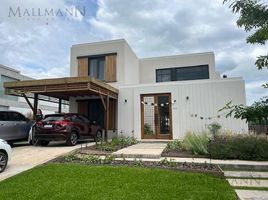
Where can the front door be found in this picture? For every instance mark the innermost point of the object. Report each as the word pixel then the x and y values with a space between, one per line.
pixel 156 116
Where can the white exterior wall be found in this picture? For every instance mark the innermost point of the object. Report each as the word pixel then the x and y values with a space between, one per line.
pixel 205 99
pixel 127 69
pixel 127 63
pixel 138 76
pixel 148 66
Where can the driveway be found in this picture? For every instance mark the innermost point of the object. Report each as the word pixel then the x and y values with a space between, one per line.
pixel 25 157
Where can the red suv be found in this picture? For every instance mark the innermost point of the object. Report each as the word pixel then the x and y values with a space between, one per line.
pixel 70 127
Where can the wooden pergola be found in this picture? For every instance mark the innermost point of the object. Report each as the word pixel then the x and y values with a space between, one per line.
pixel 63 89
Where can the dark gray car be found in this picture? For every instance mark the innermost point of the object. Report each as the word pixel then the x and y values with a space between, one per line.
pixel 14 126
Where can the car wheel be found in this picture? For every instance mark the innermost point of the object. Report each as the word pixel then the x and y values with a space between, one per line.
pixel 3 161
pixel 98 135
pixel 72 139
pixel 43 143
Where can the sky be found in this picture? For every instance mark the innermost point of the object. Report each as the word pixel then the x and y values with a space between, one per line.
pixel 39 46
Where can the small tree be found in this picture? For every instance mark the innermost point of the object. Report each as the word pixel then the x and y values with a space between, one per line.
pixel 253 18
pixel 257 113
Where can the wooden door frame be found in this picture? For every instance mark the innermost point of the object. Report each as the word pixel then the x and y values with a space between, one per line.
pixel 157 134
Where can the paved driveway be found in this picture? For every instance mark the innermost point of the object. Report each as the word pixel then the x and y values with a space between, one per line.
pixel 25 157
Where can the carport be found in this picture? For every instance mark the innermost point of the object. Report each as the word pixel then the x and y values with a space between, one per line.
pixel 64 88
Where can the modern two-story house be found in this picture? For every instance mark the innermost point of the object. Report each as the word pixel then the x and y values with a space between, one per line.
pixel 148 98
pixel 159 97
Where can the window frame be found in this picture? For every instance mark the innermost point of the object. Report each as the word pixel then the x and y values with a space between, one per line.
pixel 98 59
pixel 174 73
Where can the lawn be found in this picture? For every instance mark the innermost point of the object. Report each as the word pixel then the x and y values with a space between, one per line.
pixel 74 181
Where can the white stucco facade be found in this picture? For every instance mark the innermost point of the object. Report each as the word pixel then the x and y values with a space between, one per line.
pixel 192 99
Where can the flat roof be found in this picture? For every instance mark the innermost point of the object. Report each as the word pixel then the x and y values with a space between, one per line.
pixel 61 88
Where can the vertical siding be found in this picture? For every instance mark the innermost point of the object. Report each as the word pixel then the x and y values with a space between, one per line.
pixel 110 68
pixel 205 99
pixel 82 67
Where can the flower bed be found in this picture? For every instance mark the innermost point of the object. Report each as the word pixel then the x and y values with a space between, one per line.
pixel 105 148
pixel 163 164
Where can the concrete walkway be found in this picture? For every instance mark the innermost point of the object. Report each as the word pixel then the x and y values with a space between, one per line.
pixel 142 150
pixel 249 180
pixel 252 194
pixel 246 174
pixel 26 157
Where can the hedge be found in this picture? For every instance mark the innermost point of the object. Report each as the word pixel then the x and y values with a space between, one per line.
pixel 241 146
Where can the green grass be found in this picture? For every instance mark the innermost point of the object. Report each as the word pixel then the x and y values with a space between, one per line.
pixel 74 181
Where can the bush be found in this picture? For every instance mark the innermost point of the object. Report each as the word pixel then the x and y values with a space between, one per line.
pixel 117 143
pixel 214 128
pixel 197 143
pixel 241 146
pixel 174 145
pixel 123 141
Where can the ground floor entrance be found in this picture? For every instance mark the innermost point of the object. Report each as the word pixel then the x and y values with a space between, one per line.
pixel 156 116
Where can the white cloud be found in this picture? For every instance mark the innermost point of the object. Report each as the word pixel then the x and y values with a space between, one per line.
pixel 152 28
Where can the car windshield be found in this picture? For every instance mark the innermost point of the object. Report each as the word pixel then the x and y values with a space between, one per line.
pixel 51 118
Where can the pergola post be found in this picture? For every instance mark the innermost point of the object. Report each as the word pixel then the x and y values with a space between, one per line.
pixel 35 105
pixel 27 100
pixel 107 117
pixel 60 103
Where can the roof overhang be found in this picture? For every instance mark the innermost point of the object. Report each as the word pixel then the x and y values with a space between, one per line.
pixel 61 88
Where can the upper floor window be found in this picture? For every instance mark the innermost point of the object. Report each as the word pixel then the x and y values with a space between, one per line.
pixel 96 67
pixel 182 73
pixel 102 67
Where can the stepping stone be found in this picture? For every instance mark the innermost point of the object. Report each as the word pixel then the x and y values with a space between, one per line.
pixel 252 194
pixel 246 174
pixel 248 182
pixel 142 150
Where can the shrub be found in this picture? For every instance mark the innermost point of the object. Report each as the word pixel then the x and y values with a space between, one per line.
pixel 241 146
pixel 214 128
pixel 123 141
pixel 117 143
pixel 197 143
pixel 147 129
pixel 174 145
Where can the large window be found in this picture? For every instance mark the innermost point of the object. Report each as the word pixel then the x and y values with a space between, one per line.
pixel 182 73
pixel 96 67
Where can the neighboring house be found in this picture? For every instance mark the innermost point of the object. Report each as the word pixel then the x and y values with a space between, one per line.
pixel 19 104
pixel 159 97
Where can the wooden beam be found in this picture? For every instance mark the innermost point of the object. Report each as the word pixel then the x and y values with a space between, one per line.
pixel 27 100
pixel 59 108
pixel 103 103
pixel 35 105
pixel 107 117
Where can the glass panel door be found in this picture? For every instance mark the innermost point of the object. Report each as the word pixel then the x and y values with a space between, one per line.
pixel 164 114
pixel 156 116
pixel 149 117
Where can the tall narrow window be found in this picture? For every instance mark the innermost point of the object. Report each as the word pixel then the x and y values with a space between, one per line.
pixel 96 67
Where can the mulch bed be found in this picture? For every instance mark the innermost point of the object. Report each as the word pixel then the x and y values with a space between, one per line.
pixel 181 154
pixel 94 150
pixel 169 165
